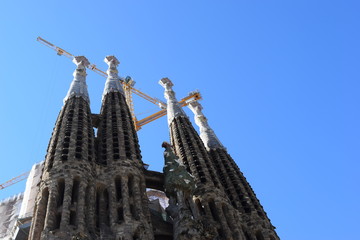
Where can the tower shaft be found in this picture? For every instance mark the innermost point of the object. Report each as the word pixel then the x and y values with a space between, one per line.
pixel 121 192
pixel 94 187
pixel 60 209
pixel 233 182
pixel 213 208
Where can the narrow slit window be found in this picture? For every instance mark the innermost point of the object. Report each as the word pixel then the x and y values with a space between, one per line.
pixel 61 191
pixel 75 191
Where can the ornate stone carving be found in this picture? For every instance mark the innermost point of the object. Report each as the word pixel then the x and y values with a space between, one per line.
pixel 207 135
pixel 78 86
pixel 176 176
pixel 173 107
pixel 112 83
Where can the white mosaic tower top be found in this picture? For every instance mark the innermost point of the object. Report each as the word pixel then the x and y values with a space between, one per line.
pixel 207 135
pixel 112 83
pixel 78 87
pixel 173 107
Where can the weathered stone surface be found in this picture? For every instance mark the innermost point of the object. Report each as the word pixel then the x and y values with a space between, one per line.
pixel 215 209
pixel 94 187
pixel 179 187
pixel 233 182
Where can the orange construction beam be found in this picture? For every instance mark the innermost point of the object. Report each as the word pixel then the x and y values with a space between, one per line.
pixel 14 180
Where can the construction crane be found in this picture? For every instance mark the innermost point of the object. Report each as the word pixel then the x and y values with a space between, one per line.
pixel 128 86
pixel 14 180
pixel 128 83
pixel 184 102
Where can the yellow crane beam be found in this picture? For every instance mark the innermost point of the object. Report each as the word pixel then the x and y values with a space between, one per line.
pixel 62 52
pixel 128 88
pixel 184 102
pixel 128 84
pixel 14 180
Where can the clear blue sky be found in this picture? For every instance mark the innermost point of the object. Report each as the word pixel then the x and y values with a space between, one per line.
pixel 280 81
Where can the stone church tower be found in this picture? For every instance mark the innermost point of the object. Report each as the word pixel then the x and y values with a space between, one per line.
pixel 239 192
pixel 94 187
pixel 224 200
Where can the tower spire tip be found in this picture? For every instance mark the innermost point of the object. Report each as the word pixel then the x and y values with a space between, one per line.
pixel 78 87
pixel 206 133
pixel 111 59
pixel 173 106
pixel 81 60
pixel 112 83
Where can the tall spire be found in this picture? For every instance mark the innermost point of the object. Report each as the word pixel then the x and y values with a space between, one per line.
pixel 113 81
pixel 78 87
pixel 173 107
pixel 121 206
pixel 206 133
pixel 233 182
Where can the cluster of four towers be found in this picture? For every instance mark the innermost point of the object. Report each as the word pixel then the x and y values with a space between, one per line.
pixel 94 187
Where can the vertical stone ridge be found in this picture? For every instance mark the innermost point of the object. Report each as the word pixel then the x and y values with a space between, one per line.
pixel 60 204
pixel 233 182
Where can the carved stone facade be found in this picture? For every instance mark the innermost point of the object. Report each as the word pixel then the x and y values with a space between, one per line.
pixel 224 200
pixel 94 186
pixel 255 223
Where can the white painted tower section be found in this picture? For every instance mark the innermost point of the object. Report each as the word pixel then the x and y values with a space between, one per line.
pixel 112 83
pixel 173 107
pixel 207 135
pixel 31 190
pixel 78 86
